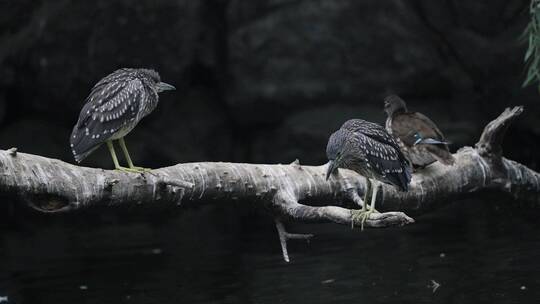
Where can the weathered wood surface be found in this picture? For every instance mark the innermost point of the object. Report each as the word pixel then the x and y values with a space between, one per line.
pixel 292 191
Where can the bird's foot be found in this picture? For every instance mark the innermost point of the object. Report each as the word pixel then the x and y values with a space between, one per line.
pixel 133 169
pixel 361 215
pixel 140 169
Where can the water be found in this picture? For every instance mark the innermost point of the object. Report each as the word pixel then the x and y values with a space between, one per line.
pixel 478 253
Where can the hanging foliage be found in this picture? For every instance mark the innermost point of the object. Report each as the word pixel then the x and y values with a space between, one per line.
pixel 532 35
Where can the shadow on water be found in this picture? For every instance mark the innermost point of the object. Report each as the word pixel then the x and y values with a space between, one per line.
pixel 478 253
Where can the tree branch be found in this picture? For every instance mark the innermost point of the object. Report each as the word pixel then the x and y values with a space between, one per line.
pixel 490 143
pixel 284 236
pixel 292 192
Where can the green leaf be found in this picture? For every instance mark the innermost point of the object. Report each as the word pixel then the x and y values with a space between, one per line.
pixel 530 50
pixel 531 75
pixel 531 36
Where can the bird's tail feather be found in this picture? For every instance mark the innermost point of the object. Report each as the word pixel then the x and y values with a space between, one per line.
pixel 431 141
pixel 402 179
pixel 82 145
pixel 406 178
pixel 79 157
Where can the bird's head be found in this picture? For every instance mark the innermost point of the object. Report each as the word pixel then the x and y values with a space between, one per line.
pixel 394 104
pixel 154 79
pixel 337 150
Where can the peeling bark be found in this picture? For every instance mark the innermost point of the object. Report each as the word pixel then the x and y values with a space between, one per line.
pixel 293 192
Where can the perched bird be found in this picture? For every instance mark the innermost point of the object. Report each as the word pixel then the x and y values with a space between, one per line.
pixel 418 137
pixel 367 149
pixel 114 107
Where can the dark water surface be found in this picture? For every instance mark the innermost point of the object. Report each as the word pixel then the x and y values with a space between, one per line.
pixel 478 253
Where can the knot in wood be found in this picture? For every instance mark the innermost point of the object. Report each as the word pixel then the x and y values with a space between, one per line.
pixel 12 151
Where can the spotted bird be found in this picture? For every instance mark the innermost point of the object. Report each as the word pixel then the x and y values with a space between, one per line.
pixel 114 107
pixel 367 149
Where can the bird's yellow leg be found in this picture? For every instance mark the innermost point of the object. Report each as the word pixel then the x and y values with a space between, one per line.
pixel 366 194
pixel 366 215
pixel 354 213
pixel 357 214
pixel 113 155
pixel 131 168
pixel 363 214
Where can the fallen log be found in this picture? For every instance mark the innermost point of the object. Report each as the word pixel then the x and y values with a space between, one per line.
pixel 292 192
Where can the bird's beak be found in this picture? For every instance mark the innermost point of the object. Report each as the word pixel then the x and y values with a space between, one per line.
pixel 162 86
pixel 331 168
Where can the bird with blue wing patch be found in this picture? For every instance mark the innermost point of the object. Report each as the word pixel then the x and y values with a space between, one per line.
pixel 419 138
pixel 114 107
pixel 367 149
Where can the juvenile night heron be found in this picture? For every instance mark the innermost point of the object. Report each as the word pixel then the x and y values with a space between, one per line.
pixel 114 107
pixel 418 137
pixel 367 149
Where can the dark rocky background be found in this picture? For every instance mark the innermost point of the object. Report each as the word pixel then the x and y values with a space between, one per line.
pixel 265 80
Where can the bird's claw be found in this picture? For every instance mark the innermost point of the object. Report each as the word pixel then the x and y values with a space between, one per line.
pixel 141 169
pixel 362 216
pixel 133 169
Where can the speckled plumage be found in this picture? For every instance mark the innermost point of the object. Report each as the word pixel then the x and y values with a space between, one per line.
pixel 419 138
pixel 114 107
pixel 368 149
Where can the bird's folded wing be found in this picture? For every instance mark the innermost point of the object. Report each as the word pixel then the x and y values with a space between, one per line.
pixel 370 129
pixel 388 161
pixel 109 107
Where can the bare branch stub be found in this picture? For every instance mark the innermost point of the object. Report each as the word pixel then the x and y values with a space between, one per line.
pixel 284 236
pixel 334 214
pixel 490 143
pixel 287 206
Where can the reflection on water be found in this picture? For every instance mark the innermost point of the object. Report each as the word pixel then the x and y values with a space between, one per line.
pixel 478 254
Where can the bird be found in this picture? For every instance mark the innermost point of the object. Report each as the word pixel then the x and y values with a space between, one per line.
pixel 113 108
pixel 418 137
pixel 366 148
